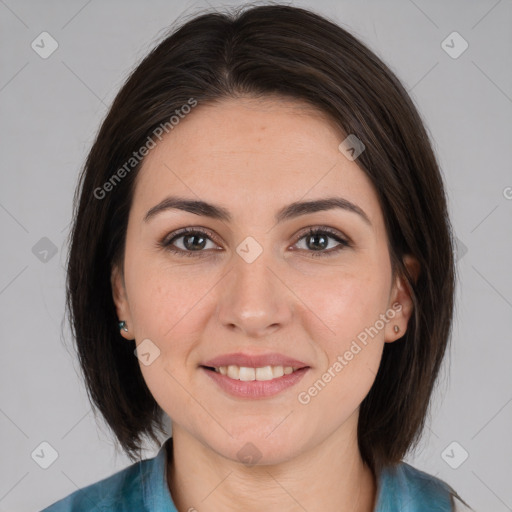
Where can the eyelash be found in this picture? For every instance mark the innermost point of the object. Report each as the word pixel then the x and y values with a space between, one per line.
pixel 167 243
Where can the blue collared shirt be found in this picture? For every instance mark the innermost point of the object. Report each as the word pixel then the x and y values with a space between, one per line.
pixel 142 487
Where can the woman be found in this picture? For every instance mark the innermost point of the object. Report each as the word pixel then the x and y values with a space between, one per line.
pixel 263 223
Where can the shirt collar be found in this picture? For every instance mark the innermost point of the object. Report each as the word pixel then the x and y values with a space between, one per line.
pixel 155 490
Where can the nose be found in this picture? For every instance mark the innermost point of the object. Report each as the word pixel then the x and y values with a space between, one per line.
pixel 255 300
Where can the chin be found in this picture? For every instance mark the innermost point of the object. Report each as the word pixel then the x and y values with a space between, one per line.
pixel 259 448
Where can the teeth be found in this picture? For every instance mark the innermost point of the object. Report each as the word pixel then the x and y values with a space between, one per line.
pixel 246 374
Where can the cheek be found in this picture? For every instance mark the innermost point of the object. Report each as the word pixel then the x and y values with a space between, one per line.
pixel 350 304
pixel 167 312
pixel 164 295
pixel 346 301
pixel 161 304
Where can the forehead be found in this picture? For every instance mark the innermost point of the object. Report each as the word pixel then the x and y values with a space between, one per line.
pixel 252 155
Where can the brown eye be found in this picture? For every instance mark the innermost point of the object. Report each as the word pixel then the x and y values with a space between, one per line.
pixel 194 241
pixel 317 242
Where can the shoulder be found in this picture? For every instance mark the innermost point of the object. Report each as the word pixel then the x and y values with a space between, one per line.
pixel 415 491
pixel 111 493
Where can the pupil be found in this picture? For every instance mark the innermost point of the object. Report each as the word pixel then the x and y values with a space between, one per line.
pixel 194 246
pixel 320 237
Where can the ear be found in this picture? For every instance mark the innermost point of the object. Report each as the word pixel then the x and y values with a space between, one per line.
pixel 400 301
pixel 121 301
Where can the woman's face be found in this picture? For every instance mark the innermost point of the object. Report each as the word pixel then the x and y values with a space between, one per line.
pixel 258 284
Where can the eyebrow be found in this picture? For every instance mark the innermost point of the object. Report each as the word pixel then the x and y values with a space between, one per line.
pixel 288 212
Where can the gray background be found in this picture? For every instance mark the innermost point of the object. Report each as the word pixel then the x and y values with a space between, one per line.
pixel 50 111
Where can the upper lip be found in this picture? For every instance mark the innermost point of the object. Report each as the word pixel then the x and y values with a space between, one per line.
pixel 253 361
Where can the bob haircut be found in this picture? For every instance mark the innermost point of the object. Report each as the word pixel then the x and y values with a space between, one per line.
pixel 292 53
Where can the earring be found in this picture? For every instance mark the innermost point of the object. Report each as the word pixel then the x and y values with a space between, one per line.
pixel 122 325
pixel 396 328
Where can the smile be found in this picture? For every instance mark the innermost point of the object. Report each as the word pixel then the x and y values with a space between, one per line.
pixel 254 383
pixel 247 374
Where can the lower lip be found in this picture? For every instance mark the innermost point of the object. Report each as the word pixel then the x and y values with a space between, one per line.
pixel 256 388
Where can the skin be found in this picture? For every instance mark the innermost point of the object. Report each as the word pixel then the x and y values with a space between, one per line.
pixel 253 156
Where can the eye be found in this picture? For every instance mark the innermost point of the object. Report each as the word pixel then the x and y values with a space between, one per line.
pixel 319 238
pixel 194 240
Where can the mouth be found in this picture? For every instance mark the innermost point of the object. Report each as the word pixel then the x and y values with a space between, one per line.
pixel 247 374
pixel 253 376
pixel 262 382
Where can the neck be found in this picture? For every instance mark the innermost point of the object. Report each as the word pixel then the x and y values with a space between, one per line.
pixel 330 477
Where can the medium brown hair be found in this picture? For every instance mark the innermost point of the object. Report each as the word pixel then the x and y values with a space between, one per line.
pixel 296 54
